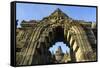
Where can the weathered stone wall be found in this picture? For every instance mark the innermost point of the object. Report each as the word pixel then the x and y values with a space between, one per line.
pixel 32 44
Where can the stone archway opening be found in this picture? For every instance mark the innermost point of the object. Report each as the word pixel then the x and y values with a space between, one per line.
pixel 52 36
pixel 59 43
pixel 60 52
pixel 48 40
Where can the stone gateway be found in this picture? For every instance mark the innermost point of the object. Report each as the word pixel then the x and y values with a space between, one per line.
pixel 34 39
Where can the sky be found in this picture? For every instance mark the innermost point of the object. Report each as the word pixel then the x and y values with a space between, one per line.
pixel 64 47
pixel 26 11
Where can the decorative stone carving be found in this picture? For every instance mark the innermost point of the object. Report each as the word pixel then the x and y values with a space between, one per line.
pixel 43 34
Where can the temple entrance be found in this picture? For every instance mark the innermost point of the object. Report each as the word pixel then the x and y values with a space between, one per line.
pixel 56 39
pixel 59 48
pixel 36 40
pixel 52 37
